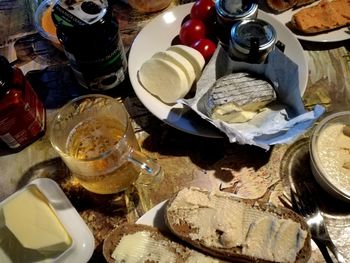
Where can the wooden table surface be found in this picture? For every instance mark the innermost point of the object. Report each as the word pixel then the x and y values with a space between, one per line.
pixel 187 160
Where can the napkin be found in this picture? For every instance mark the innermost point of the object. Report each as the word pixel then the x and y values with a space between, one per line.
pixel 283 122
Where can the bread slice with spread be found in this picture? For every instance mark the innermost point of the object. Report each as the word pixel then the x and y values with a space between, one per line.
pixel 133 243
pixel 235 229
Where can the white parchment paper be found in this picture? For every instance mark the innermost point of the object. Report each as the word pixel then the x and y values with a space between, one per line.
pixel 282 122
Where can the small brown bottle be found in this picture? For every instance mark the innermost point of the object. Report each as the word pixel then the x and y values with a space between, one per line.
pixel 22 114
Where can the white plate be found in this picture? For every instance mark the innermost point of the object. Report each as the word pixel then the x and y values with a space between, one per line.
pixel 158 35
pixel 83 244
pixel 332 36
pixel 154 217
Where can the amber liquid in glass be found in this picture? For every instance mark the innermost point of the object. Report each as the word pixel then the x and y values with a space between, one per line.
pixel 94 141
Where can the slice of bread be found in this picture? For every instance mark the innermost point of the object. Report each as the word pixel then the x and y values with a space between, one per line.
pixel 236 229
pixel 283 5
pixel 325 16
pixel 142 243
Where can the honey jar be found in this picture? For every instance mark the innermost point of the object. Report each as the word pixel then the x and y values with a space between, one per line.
pixel 22 114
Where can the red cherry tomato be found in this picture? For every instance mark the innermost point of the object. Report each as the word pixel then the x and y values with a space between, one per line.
pixel 203 10
pixel 191 31
pixel 206 47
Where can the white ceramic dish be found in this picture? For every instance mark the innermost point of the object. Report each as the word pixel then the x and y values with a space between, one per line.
pixel 158 35
pixel 83 244
pixel 332 36
pixel 154 217
pixel 327 155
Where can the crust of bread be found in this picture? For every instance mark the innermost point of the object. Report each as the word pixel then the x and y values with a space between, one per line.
pixel 183 231
pixel 325 16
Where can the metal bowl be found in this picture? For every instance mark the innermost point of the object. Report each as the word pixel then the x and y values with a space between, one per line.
pixel 330 154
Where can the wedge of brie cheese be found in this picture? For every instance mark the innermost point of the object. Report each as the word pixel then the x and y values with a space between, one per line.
pixel 238 97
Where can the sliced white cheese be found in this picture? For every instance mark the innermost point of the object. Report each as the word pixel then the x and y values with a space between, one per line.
pixel 192 55
pixel 30 218
pixel 179 61
pixel 164 80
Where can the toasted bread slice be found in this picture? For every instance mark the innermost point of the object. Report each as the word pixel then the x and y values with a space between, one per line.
pixel 236 229
pixel 142 243
pixel 325 16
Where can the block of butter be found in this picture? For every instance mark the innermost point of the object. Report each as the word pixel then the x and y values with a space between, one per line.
pixel 39 224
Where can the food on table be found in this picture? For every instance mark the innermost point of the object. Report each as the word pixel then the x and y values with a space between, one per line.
pixel 181 62
pixel 324 16
pixel 170 75
pixel 283 5
pixel 197 28
pixel 206 47
pixel 194 57
pixel 333 150
pixel 238 97
pixel 204 10
pixel 30 229
pixel 191 31
pixel 142 243
pixel 237 229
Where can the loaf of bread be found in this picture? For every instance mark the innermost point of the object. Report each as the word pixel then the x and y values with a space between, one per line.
pixel 326 15
pixel 236 229
pixel 141 243
pixel 283 5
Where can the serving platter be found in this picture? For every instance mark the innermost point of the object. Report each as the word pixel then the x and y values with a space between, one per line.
pixel 331 36
pixel 158 35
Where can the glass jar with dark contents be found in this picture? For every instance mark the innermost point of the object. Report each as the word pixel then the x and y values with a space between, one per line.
pixel 91 40
pixel 252 40
pixel 229 12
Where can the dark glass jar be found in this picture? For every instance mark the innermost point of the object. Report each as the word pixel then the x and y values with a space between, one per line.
pixel 22 114
pixel 91 40
pixel 252 40
pixel 229 12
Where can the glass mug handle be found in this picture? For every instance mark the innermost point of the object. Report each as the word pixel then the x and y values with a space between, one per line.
pixel 153 171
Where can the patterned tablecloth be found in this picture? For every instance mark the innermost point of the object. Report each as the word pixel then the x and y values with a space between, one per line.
pixel 186 159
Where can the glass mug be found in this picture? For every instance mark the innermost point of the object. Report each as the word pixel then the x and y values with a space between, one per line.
pixel 94 137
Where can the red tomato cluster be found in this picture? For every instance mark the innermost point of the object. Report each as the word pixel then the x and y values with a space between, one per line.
pixel 196 28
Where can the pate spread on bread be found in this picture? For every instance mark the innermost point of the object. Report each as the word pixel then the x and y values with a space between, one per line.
pixel 236 229
pixel 326 15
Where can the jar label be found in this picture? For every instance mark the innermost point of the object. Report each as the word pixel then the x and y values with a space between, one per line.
pixel 79 13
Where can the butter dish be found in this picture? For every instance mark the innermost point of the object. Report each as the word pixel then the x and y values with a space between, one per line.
pixel 39 224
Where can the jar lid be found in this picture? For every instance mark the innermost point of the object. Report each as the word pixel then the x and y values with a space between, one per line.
pixel 236 9
pixel 71 14
pixel 253 35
